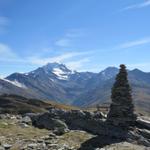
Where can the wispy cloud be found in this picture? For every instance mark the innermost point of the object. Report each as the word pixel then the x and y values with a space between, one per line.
pixel 6 52
pixel 143 66
pixel 4 21
pixel 74 60
pixel 78 64
pixel 137 6
pixel 126 45
pixel 9 56
pixel 60 58
pixel 68 38
pixel 134 43
pixel 64 42
pixel 79 60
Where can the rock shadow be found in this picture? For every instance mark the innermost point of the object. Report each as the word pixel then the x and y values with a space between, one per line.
pixel 99 141
pixel 109 135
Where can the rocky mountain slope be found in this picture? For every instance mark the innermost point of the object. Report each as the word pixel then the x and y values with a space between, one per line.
pixel 56 82
pixel 20 105
pixel 140 89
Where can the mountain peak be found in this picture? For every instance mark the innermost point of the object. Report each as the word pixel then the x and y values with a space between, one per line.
pixel 111 68
pixel 109 72
pixel 136 70
pixel 59 70
pixel 54 65
pixel 51 66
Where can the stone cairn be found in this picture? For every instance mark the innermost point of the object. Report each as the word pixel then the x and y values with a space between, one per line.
pixel 121 109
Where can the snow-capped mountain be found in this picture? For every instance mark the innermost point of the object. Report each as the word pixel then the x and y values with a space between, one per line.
pixel 108 73
pixel 15 83
pixel 59 70
pixel 56 82
pixel 53 70
pixel 53 81
pixel 11 87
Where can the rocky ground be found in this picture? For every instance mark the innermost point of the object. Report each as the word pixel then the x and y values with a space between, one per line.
pixel 19 133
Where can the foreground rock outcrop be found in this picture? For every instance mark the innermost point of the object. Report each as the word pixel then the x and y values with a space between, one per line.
pixel 90 122
pixel 15 134
pixel 65 130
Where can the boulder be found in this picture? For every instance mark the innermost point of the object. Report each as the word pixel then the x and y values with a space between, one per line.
pixel 60 127
pixel 32 145
pixel 7 146
pixel 4 116
pixel 45 121
pixel 143 123
pixel 26 120
pixel 60 120
pixel 23 125
pixel 145 133
pixel 99 115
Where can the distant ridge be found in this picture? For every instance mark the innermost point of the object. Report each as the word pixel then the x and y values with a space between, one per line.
pixel 56 82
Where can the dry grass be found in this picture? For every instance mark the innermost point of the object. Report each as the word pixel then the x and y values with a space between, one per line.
pixel 75 138
pixel 61 106
pixel 10 129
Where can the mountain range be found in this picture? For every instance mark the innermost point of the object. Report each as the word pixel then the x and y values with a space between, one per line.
pixel 56 82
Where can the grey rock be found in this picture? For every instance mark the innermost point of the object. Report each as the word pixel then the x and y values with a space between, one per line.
pixel 23 125
pixel 32 145
pixel 99 115
pixel 52 135
pixel 143 123
pixel 45 121
pixel 2 148
pixel 47 142
pixel 7 146
pixel 53 146
pixel 40 141
pixel 145 133
pixel 90 122
pixel 26 120
pixel 3 116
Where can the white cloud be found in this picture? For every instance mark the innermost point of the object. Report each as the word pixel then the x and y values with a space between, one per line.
pixel 60 58
pixel 134 43
pixel 2 76
pixel 4 21
pixel 68 37
pixel 64 42
pixel 126 45
pixel 137 6
pixel 143 66
pixel 6 52
pixel 77 65
pixel 8 56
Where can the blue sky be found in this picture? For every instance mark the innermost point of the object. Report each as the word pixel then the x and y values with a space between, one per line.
pixel 86 35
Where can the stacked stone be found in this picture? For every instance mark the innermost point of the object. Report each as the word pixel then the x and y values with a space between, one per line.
pixel 121 110
pixel 121 115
